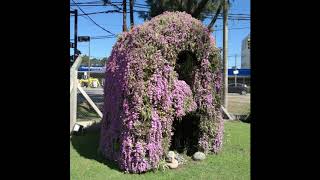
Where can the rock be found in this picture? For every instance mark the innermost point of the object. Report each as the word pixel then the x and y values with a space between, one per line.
pixel 174 164
pixel 199 156
pixel 180 159
pixel 170 156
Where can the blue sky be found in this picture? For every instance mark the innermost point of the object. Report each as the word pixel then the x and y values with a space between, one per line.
pixel 113 22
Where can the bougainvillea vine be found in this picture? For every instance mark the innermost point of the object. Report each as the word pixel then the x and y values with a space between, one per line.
pixel 144 93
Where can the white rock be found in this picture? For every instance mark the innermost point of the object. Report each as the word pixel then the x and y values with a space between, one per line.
pixel 174 164
pixel 199 156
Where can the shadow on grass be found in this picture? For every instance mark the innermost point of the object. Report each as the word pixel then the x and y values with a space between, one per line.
pixel 87 146
pixel 245 118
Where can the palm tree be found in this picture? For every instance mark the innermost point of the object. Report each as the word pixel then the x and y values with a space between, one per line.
pixel 196 8
pixel 216 15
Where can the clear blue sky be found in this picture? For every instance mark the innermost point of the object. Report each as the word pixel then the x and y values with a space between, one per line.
pixel 113 22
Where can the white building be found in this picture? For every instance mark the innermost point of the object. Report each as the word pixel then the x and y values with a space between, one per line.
pixel 245 53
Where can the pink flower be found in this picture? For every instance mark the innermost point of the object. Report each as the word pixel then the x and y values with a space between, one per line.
pixel 142 95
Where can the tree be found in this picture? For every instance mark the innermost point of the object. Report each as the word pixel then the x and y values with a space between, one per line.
pixel 215 16
pixel 85 60
pixel 93 61
pixel 199 9
pixel 104 61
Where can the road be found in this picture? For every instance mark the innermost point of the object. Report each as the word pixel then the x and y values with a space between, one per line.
pixel 96 94
pixel 238 104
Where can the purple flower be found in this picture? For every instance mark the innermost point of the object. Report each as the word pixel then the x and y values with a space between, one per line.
pixel 143 96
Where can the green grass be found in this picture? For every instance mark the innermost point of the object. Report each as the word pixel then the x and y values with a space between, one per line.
pixel 86 113
pixel 232 163
pixel 239 108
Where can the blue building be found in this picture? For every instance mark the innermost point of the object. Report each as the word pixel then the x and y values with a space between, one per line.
pixel 242 77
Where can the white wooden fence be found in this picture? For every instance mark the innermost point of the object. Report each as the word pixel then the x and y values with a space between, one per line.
pixel 74 87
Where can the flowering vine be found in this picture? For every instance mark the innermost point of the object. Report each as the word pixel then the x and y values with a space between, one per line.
pixel 144 95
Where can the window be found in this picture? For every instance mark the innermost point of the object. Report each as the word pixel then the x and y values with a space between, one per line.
pixel 248 43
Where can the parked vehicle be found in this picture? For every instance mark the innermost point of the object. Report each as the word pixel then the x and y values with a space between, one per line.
pixel 238 88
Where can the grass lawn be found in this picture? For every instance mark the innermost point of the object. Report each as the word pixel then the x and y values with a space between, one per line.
pixel 232 163
pixel 239 104
pixel 86 113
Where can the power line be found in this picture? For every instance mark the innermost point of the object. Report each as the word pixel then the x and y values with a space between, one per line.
pixel 231 17
pixel 99 37
pixel 106 37
pixel 108 3
pixel 111 4
pixel 101 12
pixel 99 3
pixel 232 28
pixel 87 4
pixel 93 20
pixel 90 2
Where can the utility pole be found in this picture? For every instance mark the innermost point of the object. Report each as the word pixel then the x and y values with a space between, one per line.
pixel 75 34
pixel 225 53
pixel 235 57
pixel 131 14
pixel 89 64
pixel 124 16
pixel 235 77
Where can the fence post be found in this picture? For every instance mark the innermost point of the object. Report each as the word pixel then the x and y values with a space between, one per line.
pixel 73 99
pixel 74 91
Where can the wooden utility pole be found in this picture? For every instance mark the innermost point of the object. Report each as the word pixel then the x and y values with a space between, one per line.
pixel 131 14
pixel 124 14
pixel 225 53
pixel 235 68
pixel 75 35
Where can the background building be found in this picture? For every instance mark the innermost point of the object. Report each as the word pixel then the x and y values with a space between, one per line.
pixel 245 53
pixel 243 77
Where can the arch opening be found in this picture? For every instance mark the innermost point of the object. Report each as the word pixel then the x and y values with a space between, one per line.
pixel 186 129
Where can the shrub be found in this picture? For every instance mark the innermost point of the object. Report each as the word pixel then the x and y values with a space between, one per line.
pixel 144 95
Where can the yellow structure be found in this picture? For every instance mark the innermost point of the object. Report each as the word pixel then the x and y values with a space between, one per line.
pixel 90 82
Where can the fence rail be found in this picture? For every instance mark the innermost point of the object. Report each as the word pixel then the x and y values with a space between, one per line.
pixel 74 91
pixel 86 95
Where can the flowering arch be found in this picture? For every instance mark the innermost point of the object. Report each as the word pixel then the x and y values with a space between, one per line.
pixel 145 94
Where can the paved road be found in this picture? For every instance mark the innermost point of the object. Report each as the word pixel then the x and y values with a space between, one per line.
pixel 96 94
pixel 93 91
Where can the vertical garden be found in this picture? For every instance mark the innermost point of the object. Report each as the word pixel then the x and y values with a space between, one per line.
pixel 162 91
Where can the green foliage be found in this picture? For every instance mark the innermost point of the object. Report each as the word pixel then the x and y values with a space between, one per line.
pixel 162 166
pixel 232 163
pixel 189 6
pixel 93 61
